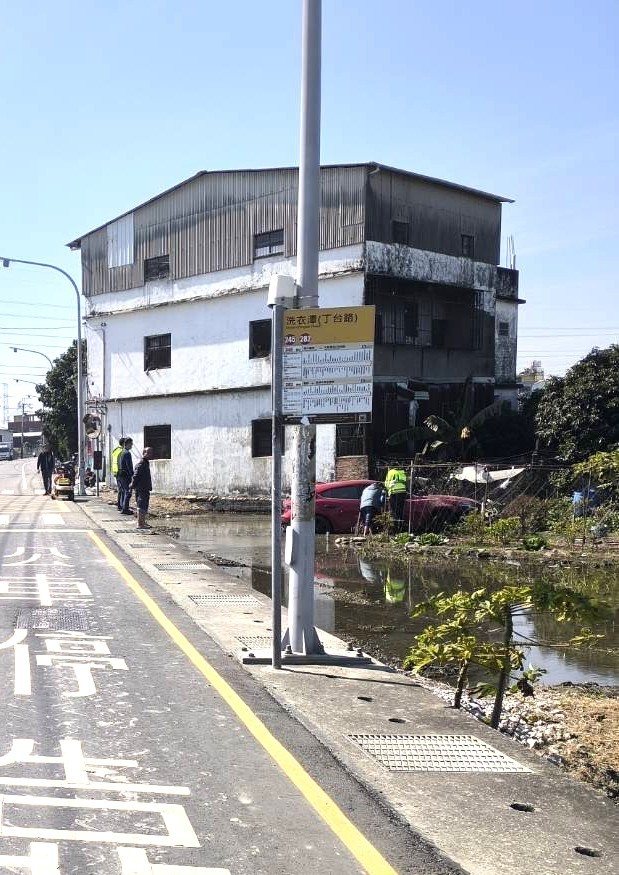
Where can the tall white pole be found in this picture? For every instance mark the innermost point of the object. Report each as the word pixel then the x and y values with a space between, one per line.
pixel 301 633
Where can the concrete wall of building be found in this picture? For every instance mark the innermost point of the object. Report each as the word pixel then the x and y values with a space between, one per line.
pixel 506 345
pixel 213 390
pixel 211 442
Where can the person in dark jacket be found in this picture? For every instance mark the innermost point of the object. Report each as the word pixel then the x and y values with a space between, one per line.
pixel 142 484
pixel 45 464
pixel 125 474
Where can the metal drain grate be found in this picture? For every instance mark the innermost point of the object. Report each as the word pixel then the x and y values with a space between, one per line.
pixel 218 598
pixel 257 641
pixel 181 566
pixel 143 546
pixel 436 753
pixel 124 531
pixel 53 619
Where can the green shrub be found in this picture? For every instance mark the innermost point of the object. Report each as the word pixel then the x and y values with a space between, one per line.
pixel 472 527
pixel 531 511
pixel 560 516
pixel 430 539
pixel 534 542
pixel 504 531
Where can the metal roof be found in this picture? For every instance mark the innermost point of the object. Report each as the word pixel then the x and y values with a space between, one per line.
pixel 371 165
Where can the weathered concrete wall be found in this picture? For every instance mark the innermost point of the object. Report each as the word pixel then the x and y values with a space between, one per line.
pixel 506 346
pixel 406 262
pixel 211 442
pixel 213 390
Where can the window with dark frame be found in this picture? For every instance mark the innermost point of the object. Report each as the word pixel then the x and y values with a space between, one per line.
pixel 261 442
pixel 159 438
pixel 503 329
pixel 439 333
pixel 157 352
pixel 399 231
pixel 157 268
pixel 269 243
pixel 259 338
pixel 468 245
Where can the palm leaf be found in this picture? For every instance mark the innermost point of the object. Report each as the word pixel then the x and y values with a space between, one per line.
pixel 417 433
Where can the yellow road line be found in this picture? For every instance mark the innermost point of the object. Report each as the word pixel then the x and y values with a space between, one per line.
pixel 371 860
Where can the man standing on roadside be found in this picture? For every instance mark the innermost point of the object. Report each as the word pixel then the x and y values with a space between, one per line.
pixel 116 454
pixel 395 484
pixel 125 475
pixel 142 484
pixel 45 464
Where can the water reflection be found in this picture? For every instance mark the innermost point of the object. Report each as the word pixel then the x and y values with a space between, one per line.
pixel 370 602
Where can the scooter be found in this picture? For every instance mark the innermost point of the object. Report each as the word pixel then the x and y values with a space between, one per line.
pixel 63 481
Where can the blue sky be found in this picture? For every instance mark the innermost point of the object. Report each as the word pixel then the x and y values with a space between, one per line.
pixel 104 105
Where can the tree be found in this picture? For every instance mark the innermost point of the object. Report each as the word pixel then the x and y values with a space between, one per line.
pixel 455 439
pixel 471 619
pixel 58 396
pixel 578 414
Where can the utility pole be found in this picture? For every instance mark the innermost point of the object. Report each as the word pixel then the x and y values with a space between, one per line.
pixel 301 637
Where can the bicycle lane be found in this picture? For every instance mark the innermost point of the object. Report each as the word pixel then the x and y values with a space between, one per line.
pixel 123 750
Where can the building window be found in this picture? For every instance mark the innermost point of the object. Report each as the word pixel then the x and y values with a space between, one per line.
pixel 399 232
pixel 261 443
pixel 270 243
pixel 157 268
pixel 159 438
pixel 468 245
pixel 259 338
pixel 503 329
pixel 157 352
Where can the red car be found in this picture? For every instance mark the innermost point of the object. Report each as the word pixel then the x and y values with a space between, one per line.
pixel 337 508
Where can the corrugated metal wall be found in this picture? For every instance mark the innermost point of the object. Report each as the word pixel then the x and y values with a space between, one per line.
pixel 437 215
pixel 208 223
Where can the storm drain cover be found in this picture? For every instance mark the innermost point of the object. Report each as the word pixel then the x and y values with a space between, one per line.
pixel 257 641
pixel 219 598
pixel 182 566
pixel 53 619
pixel 436 753
pixel 124 531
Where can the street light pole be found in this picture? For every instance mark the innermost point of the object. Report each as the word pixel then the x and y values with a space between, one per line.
pixel 80 379
pixel 302 637
pixel 35 351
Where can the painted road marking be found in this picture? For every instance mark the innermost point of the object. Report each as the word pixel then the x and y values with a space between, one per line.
pixel 7 492
pixel 76 767
pixel 42 860
pixel 134 861
pixel 4 519
pixel 359 846
pixel 52 519
pixel 178 830
pixel 43 590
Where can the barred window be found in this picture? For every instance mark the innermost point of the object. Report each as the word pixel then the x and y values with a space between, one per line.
pixel 157 268
pixel 399 231
pixel 159 438
pixel 157 352
pixel 503 329
pixel 468 245
pixel 259 338
pixel 270 243
pixel 261 442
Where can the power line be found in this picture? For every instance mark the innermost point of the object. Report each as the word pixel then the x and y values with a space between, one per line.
pixel 28 304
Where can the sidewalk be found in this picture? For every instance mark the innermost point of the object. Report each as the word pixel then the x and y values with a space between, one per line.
pixel 486 802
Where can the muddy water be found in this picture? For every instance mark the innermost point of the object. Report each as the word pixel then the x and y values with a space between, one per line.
pixel 370 602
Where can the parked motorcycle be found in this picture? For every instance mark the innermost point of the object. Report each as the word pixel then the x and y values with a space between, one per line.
pixel 63 481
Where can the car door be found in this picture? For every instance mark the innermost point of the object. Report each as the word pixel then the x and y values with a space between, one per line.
pixel 340 505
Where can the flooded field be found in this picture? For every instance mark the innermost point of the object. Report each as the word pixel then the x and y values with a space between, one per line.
pixel 370 602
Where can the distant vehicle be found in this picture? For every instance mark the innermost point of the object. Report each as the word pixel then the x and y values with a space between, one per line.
pixel 337 508
pixel 6 446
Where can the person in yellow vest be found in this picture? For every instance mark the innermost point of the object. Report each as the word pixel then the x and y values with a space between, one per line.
pixel 395 485
pixel 115 459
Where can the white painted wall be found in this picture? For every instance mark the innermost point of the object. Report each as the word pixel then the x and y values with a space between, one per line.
pixel 211 425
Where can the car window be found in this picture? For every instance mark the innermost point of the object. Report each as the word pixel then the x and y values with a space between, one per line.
pixel 341 492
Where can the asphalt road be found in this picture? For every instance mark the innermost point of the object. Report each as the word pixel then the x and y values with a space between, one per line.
pixel 118 756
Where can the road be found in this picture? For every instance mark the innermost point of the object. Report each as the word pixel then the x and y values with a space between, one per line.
pixel 132 745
